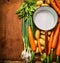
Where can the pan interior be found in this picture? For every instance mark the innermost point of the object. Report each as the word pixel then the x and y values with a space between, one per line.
pixel 44 20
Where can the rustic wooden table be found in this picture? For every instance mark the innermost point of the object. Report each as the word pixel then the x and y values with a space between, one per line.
pixel 11 44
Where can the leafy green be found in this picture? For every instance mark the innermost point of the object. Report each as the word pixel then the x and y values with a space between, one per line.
pixel 31 1
pixel 25 12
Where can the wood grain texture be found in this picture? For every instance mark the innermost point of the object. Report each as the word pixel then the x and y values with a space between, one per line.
pixel 11 43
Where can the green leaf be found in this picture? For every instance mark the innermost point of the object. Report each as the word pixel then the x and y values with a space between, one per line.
pixel 31 1
pixel 48 61
pixel 57 59
pixel 32 60
pixel 51 55
pixel 27 10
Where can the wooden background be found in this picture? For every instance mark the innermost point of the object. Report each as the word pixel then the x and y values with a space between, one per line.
pixel 11 44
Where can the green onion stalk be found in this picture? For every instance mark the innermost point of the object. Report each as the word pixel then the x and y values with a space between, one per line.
pixel 57 59
pixel 49 58
pixel 26 12
pixel 51 55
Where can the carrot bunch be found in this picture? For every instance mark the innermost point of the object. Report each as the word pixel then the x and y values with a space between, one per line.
pixel 58 49
pixel 53 42
pixel 53 39
pixel 50 43
pixel 55 4
pixel 39 46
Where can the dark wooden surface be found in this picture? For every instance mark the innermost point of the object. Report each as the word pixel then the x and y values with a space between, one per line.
pixel 11 44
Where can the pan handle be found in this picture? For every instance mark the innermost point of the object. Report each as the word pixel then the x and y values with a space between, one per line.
pixel 46 42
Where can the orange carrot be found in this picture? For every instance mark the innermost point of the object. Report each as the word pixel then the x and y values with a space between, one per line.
pixel 58 3
pixel 56 34
pixel 53 4
pixel 58 47
pixel 31 39
pixel 39 46
pixel 50 42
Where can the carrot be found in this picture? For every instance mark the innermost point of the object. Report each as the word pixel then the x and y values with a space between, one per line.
pixel 50 42
pixel 31 39
pixel 39 46
pixel 57 3
pixel 53 4
pixel 58 50
pixel 56 34
pixel 54 42
pixel 58 47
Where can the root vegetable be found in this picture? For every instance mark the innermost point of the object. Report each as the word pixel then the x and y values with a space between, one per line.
pixel 58 50
pixel 53 4
pixel 43 37
pixel 54 41
pixel 49 33
pixel 48 38
pixel 39 46
pixel 31 39
pixel 55 36
pixel 42 47
pixel 50 43
pixel 44 4
pixel 58 47
pixel 42 32
pixel 35 42
pixel 42 42
pixel 48 1
pixel 37 50
pixel 37 34
pixel 58 3
pixel 39 2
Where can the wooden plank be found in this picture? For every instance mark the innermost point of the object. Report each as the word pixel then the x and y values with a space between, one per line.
pixel 11 44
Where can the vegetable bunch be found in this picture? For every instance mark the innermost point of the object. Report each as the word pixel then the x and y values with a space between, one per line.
pixel 56 5
pixel 34 39
pixel 54 46
pixel 25 12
